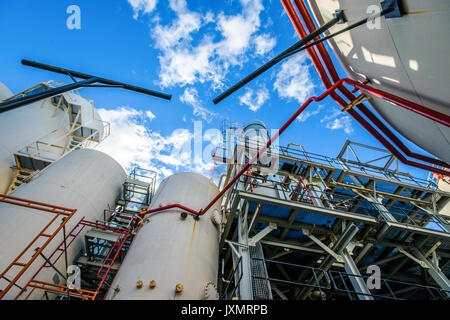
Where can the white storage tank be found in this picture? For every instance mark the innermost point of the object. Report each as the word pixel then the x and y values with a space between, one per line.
pixel 386 52
pixel 171 251
pixel 40 130
pixel 86 180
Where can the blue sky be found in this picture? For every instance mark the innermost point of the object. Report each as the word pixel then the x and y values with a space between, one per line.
pixel 193 50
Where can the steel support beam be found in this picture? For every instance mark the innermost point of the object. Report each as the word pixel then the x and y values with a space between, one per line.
pixel 253 240
pixel 357 281
pixel 434 271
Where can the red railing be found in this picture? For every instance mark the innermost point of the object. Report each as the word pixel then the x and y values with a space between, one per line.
pixel 29 253
pixel 63 246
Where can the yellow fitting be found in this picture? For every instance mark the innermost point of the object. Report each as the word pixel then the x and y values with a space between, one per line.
pixel 152 284
pixel 148 219
pixel 139 284
pixel 117 288
pixel 355 102
pixel 179 288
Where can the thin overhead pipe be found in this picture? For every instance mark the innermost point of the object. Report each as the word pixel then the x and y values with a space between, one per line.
pixel 26 100
pixel 89 81
pixel 278 58
pixel 333 73
pixel 298 47
pixel 80 75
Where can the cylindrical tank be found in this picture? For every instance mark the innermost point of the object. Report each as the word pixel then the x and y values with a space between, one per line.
pixel 4 92
pixel 40 120
pixel 385 52
pixel 171 250
pixel 255 136
pixel 86 180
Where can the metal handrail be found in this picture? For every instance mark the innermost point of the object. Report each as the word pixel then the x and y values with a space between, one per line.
pixel 386 282
pixel 367 207
pixel 225 295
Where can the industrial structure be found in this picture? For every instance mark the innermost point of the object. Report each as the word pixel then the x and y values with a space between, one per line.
pixel 282 223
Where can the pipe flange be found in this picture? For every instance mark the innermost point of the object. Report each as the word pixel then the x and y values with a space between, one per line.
pixel 210 292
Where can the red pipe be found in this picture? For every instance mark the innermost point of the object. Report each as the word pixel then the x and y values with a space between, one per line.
pixel 169 207
pixel 329 91
pixel 423 111
pixel 256 156
pixel 329 64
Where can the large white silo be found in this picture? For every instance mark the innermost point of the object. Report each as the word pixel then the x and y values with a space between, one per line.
pixel 41 132
pixel 86 180
pixel 170 250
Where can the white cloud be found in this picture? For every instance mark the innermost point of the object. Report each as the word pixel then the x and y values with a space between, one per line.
pixel 132 144
pixel 146 6
pixel 254 101
pixel 185 60
pixel 264 43
pixel 341 123
pixel 308 113
pixel 335 119
pixel 150 115
pixel 190 96
pixel 294 81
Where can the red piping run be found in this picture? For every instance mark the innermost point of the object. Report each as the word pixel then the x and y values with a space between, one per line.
pixel 333 73
pixel 329 91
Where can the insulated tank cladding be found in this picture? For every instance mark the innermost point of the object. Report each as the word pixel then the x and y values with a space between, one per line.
pixel 169 252
pixel 5 93
pixel 86 180
pixel 41 121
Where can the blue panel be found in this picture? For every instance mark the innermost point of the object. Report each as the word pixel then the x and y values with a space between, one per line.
pixel 314 219
pixel 270 210
pixel 385 187
pixel 295 234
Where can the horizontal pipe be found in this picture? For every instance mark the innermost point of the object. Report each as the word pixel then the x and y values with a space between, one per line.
pixel 101 80
pixel 23 101
pixel 278 58
pixel 409 105
pixel 171 206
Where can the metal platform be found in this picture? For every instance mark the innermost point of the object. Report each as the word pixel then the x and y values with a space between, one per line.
pixel 341 216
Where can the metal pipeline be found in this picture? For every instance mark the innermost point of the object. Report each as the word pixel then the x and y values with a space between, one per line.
pixel 330 91
pixel 431 114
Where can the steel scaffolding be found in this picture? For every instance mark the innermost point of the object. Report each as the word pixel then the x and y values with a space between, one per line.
pixel 322 222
